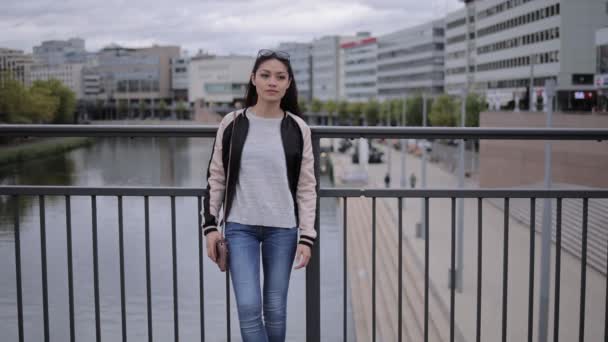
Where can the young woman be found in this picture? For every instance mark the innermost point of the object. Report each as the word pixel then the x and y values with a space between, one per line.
pixel 271 196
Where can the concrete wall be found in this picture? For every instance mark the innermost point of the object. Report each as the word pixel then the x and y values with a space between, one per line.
pixel 516 163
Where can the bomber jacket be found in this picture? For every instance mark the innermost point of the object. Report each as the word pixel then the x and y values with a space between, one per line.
pixel 297 144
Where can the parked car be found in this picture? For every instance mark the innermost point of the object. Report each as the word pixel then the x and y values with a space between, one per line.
pixel 345 144
pixel 375 155
pixel 397 144
pixel 425 144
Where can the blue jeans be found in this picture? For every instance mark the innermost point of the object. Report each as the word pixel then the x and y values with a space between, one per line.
pixel 278 248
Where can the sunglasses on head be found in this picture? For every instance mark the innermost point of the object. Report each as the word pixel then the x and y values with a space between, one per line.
pixel 273 53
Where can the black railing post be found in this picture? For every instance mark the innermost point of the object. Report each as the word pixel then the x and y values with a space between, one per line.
pixel 313 278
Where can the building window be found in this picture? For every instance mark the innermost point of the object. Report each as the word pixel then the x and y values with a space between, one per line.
pixel 584 79
pixel 602 59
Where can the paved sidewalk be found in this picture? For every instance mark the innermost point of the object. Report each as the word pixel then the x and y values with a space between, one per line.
pixel 492 260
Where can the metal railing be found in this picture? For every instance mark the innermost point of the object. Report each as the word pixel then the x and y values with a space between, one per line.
pixel 313 295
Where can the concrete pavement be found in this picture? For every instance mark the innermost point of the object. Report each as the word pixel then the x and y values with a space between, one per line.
pixel 465 302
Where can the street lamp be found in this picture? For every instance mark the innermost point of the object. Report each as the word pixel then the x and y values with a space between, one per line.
pixel 387 178
pixel 403 181
pixel 421 230
pixel 458 272
pixel 545 254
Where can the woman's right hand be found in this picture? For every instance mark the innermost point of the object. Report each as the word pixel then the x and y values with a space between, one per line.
pixel 212 238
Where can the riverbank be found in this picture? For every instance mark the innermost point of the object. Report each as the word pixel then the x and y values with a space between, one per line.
pixel 40 147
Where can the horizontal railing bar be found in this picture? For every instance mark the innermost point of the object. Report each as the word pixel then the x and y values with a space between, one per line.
pixel 465 193
pixel 52 190
pixel 460 133
pixel 318 131
pixel 109 130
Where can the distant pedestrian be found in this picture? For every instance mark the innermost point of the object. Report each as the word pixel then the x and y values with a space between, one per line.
pixel 412 180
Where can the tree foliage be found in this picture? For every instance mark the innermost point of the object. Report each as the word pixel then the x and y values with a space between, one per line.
pixel 355 109
pixel 342 110
pixel 475 104
pixel 43 102
pixel 316 106
pixel 372 112
pixel 303 106
pixel 444 112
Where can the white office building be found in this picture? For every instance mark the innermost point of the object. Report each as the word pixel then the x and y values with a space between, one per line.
pixel 410 61
pixel 519 40
pixel 327 73
pixel 69 75
pixel 61 51
pixel 300 56
pixel 359 69
pixel 460 50
pixel 219 80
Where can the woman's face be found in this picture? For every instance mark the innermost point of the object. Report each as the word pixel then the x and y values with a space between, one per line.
pixel 271 80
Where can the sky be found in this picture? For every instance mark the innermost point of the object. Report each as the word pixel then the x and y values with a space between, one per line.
pixel 215 26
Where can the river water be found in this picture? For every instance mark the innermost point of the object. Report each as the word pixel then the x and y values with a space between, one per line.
pixel 179 162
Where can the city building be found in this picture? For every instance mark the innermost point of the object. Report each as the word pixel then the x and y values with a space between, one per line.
pixel 517 41
pixel 68 74
pixel 359 68
pixel 52 52
pixel 601 78
pixel 327 79
pixel 179 78
pixel 460 50
pixel 16 64
pixel 300 56
pixel 219 81
pixel 410 61
pixel 138 79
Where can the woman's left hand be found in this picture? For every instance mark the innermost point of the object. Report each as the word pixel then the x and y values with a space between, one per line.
pixel 302 256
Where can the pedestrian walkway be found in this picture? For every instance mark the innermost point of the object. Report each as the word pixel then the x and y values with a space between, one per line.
pixel 360 271
pixel 572 223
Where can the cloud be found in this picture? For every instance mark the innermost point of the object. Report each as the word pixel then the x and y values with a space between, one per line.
pixel 227 26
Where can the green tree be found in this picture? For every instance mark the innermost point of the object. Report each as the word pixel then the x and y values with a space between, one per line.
pixel 443 112
pixel 162 108
pixel 343 110
pixel 42 104
pixel 372 112
pixel 303 106
pixel 475 104
pixel 316 106
pixel 396 111
pixel 355 109
pixel 330 107
pixel 414 111
pixel 385 110
pixel 14 101
pixel 67 102
pixel 181 109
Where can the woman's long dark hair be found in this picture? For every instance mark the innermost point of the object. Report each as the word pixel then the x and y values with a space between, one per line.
pixel 289 102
